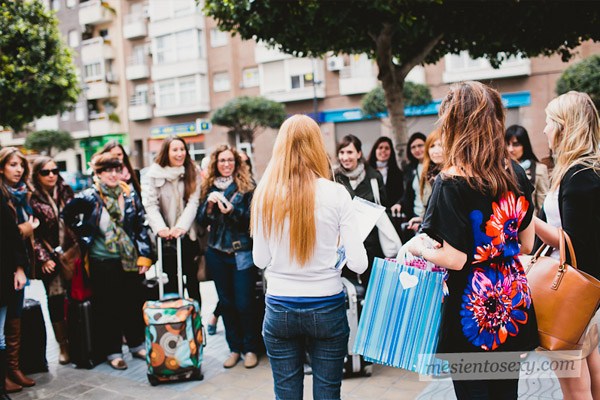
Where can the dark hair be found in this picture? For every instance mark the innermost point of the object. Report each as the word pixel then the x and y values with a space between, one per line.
pixel 392 162
pixel 162 159
pixel 472 123
pixel 104 161
pixel 413 137
pixel 126 163
pixel 5 155
pixel 347 141
pixel 37 165
pixel 520 133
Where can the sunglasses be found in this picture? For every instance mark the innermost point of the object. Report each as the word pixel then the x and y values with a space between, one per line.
pixel 46 172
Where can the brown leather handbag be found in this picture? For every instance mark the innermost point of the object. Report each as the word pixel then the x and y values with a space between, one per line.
pixel 565 298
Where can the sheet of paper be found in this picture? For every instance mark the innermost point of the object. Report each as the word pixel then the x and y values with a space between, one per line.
pixel 367 213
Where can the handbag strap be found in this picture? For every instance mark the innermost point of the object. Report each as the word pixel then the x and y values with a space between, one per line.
pixel 566 238
pixel 375 189
pixel 563 238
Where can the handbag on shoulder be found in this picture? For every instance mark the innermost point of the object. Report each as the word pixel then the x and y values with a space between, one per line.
pixel 565 298
pixel 66 259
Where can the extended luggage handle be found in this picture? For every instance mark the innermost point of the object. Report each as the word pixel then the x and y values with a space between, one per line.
pixel 159 268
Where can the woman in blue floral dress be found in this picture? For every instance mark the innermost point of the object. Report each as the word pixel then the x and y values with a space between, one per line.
pixel 480 213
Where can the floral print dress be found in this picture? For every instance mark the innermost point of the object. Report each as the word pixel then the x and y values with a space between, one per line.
pixel 489 307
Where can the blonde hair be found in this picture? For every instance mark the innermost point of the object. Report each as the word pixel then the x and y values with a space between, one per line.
pixel 287 188
pixel 575 120
pixel 472 126
pixel 241 174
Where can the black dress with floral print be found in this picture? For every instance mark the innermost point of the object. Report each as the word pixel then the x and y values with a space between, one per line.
pixel 489 307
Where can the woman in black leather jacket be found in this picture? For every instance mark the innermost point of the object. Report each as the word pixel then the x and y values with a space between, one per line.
pixel 225 207
pixel 115 242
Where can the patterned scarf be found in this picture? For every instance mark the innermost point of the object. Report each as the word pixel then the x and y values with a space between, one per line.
pixel 222 182
pixel 117 240
pixel 355 176
pixel 18 197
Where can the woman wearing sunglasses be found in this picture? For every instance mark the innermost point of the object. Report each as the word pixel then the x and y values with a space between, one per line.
pixel 109 221
pixel 47 201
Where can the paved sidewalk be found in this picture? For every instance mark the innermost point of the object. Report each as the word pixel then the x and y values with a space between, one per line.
pixel 104 383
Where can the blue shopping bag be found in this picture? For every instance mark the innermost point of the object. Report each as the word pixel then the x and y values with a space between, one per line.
pixel 400 321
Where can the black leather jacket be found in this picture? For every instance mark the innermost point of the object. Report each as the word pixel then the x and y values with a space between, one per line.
pixel 83 214
pixel 228 232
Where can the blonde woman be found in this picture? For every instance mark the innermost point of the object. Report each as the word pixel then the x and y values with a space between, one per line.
pixel 298 215
pixel 573 132
pixel 225 208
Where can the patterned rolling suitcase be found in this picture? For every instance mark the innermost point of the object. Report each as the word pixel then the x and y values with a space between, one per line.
pixel 175 338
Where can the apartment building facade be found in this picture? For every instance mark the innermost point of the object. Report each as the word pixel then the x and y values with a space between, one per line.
pixel 152 68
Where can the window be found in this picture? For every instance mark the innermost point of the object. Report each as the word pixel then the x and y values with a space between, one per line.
pixel 73 38
pixel 71 3
pixel 184 91
pixel 80 111
pixel 55 5
pixel 93 71
pixel 187 91
pixel 65 116
pixel 218 38
pixel 138 55
pixel 302 81
pixel 197 151
pixel 140 95
pixel 185 45
pixel 461 67
pixel 221 82
pixel 178 46
pixel 167 95
pixel 250 77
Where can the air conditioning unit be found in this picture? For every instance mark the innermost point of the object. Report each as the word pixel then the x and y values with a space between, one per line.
pixel 335 63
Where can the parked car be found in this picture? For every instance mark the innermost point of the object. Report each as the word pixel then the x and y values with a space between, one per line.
pixel 77 180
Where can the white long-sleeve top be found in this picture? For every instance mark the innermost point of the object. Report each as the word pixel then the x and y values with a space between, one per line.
pixel 318 277
pixel 162 196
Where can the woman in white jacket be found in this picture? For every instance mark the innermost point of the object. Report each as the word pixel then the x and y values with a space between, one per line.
pixel 171 195
pixel 298 217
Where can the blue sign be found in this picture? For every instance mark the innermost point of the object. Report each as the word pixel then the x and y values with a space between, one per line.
pixel 509 100
pixel 185 129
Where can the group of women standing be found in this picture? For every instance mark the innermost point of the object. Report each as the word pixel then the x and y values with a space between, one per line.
pixel 476 196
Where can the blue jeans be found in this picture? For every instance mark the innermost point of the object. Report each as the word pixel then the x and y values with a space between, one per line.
pixel 323 332
pixel 237 300
pixel 3 311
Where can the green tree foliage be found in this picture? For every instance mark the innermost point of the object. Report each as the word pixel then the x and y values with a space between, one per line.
pixel 244 115
pixel 37 75
pixel 582 77
pixel 400 34
pixel 415 94
pixel 47 140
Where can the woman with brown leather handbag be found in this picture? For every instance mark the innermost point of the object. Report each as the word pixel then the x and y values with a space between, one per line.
pixel 573 132
pixel 51 238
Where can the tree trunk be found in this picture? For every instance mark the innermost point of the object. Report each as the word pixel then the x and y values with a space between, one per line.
pixel 392 78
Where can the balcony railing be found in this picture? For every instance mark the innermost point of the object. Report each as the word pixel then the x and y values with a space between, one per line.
pixel 95 12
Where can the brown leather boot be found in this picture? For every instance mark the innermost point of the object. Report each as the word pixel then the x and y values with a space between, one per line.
pixel 12 331
pixel 60 332
pixel 11 387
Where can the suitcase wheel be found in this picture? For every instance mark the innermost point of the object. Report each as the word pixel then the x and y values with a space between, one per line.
pixel 153 380
pixel 197 375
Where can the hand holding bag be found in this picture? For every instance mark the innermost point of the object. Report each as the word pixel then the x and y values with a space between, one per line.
pixel 388 237
pixel 65 259
pixel 565 298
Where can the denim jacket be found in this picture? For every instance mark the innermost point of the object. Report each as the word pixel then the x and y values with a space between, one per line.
pixel 82 215
pixel 229 233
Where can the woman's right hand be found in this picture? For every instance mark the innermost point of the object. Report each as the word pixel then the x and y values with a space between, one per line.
pixel 164 233
pixel 396 209
pixel 48 267
pixel 20 279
